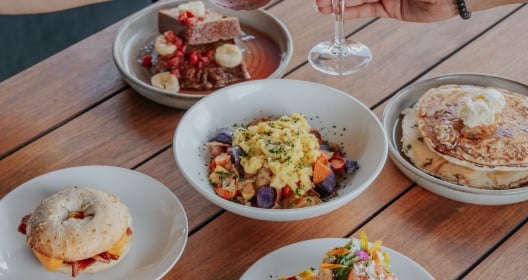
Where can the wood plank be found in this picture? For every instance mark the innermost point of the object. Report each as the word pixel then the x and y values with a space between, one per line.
pixel 245 240
pixel 442 235
pixel 512 255
pixel 472 229
pixel 501 51
pixel 124 131
pixel 402 45
pixel 164 168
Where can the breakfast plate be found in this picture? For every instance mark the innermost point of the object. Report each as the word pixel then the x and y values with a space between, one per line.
pixel 159 223
pixel 405 98
pixel 297 257
pixel 266 46
pixel 362 139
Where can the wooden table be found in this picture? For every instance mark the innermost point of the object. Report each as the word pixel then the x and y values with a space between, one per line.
pixel 74 109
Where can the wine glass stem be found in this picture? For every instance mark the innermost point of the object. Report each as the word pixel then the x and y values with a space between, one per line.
pixel 339 12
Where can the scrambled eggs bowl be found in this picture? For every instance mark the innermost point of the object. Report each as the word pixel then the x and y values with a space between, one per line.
pixel 280 163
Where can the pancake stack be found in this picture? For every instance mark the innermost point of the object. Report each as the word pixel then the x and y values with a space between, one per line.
pixel 469 135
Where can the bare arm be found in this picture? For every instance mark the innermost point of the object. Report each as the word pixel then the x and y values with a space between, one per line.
pixel 13 7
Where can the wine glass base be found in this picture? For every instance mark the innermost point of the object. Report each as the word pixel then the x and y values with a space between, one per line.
pixel 339 59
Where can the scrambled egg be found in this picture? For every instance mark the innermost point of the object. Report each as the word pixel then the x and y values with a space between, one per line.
pixel 285 146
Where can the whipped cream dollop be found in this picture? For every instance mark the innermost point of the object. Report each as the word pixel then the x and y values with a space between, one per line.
pixel 481 108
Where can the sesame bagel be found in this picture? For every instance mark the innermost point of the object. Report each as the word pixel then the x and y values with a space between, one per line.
pixel 77 223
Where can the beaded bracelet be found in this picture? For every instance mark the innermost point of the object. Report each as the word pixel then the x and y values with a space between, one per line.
pixel 462 9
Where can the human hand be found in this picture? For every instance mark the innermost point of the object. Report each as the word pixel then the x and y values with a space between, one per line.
pixel 407 10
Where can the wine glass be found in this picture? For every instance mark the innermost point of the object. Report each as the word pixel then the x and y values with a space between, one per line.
pixel 341 56
pixel 240 5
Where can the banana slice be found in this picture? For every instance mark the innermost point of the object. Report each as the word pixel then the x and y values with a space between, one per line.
pixel 197 8
pixel 163 47
pixel 228 55
pixel 166 81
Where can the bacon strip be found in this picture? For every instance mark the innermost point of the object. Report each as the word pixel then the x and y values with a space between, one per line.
pixel 105 257
pixel 23 224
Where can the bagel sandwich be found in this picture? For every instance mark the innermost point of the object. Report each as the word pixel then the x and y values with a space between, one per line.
pixel 79 230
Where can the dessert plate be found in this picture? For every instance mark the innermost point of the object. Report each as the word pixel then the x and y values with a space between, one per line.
pixel 266 45
pixel 297 257
pixel 159 223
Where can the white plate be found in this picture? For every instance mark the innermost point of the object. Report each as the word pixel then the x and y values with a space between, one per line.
pixel 294 258
pixel 159 223
pixel 410 95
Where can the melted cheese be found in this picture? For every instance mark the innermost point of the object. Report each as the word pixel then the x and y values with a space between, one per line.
pixel 52 264
pixel 118 248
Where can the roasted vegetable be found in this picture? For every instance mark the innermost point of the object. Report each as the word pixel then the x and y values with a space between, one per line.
pixel 223 135
pixel 266 197
pixel 328 186
pixel 235 152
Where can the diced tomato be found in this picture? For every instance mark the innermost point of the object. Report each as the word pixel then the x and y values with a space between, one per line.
pixel 146 61
pixel 212 165
pixel 338 163
pixel 287 191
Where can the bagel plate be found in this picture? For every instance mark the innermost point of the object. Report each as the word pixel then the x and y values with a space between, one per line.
pixel 79 230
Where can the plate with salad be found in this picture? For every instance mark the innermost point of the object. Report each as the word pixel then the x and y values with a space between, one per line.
pixel 335 258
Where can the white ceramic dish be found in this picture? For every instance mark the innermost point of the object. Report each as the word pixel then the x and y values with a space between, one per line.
pixel 340 117
pixel 142 27
pixel 297 257
pixel 159 223
pixel 406 98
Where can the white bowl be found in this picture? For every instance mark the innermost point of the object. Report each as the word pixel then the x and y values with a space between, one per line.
pixel 141 28
pixel 341 118
pixel 392 122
